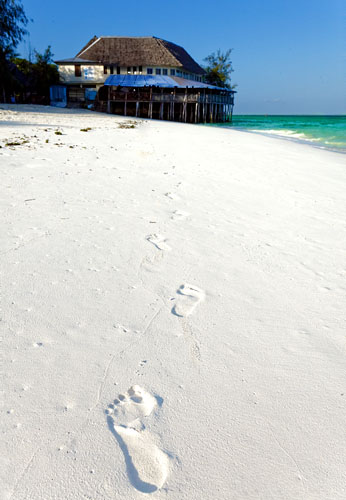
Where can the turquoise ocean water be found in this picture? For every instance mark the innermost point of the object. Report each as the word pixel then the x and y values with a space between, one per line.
pixel 328 132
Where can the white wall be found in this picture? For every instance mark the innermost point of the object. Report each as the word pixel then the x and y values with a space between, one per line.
pixel 94 74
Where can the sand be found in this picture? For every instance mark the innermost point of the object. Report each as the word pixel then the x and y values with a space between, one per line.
pixel 173 311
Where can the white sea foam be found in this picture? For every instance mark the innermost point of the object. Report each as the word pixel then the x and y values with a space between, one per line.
pixel 287 134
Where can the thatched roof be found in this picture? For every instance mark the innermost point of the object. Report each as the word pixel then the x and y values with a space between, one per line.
pixel 135 51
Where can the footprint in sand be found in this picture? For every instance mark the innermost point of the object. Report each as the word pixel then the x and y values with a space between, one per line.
pixel 147 465
pixel 179 215
pixel 172 196
pixel 191 297
pixel 158 241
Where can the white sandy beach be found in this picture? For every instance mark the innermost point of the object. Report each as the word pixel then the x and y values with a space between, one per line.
pixel 197 272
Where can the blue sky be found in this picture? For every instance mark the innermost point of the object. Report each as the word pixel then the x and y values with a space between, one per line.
pixel 288 57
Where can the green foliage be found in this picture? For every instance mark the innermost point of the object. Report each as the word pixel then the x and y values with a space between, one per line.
pixel 12 29
pixel 219 69
pixel 34 78
pixel 40 75
pixel 45 73
pixel 12 23
pixel 8 79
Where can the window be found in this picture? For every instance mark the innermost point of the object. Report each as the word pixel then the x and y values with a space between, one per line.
pixel 172 72
pixel 149 71
pixel 165 71
pixel 111 69
pixel 118 70
pixel 158 71
pixel 178 72
pixel 134 70
pixel 77 70
pixel 140 69
pixel 128 70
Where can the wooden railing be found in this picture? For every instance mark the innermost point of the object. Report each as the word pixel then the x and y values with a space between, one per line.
pixel 172 97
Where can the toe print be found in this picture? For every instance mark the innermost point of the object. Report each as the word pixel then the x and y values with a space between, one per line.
pixel 147 465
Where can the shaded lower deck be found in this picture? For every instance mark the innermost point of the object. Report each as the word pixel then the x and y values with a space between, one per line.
pixel 184 105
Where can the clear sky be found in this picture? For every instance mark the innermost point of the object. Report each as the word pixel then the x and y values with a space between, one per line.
pixel 289 55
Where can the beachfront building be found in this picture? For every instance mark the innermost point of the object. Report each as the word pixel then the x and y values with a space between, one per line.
pixel 140 76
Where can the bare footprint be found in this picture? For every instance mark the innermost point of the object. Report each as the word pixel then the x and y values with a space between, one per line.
pixel 147 465
pixel 158 241
pixel 172 196
pixel 179 215
pixel 191 297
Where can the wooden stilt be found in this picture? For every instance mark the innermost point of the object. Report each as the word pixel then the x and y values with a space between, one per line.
pixel 185 106
pixel 161 106
pixel 150 112
pixel 109 100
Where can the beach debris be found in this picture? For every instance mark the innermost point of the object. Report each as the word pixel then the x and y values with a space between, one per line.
pixel 128 124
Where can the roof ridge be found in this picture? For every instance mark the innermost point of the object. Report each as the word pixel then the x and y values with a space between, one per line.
pixel 160 41
pixel 116 36
pixel 88 46
pixel 167 41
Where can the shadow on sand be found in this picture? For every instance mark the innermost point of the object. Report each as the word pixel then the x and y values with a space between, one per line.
pixel 131 469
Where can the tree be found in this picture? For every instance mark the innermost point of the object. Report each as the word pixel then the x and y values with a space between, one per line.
pixel 219 68
pixel 12 29
pixel 12 23
pixel 40 75
pixel 45 73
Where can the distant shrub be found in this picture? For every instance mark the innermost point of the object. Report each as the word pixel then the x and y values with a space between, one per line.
pixel 85 129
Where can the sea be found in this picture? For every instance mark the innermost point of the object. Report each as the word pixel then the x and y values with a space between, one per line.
pixel 327 132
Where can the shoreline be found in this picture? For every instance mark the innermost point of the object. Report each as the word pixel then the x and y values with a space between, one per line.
pixel 324 131
pixel 297 140
pixel 272 134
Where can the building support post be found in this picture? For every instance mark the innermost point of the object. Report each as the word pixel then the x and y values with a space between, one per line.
pixel 161 106
pixel 125 105
pixel 109 100
pixel 205 107
pixel 150 110
pixel 185 106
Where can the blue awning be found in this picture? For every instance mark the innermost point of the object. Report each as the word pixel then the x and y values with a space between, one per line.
pixel 157 81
